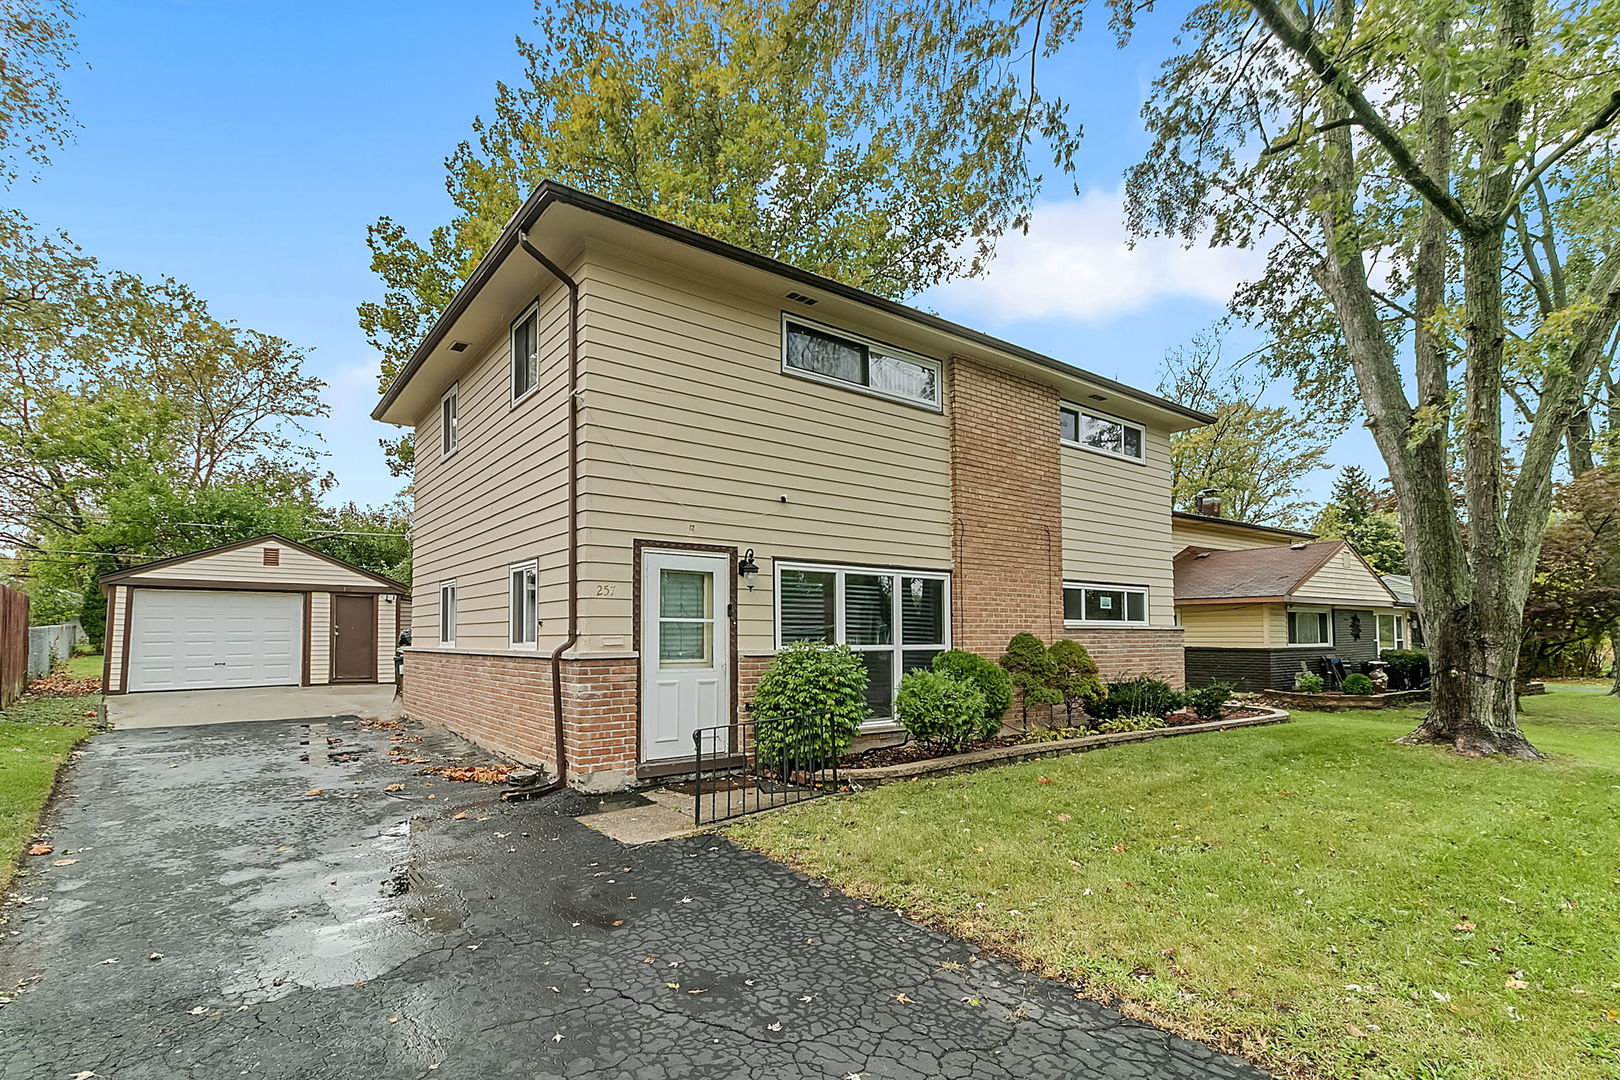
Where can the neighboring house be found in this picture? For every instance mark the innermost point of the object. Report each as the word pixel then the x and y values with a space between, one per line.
pixel 646 459
pixel 1257 612
pixel 262 612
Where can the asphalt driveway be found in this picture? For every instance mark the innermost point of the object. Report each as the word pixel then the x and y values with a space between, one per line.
pixel 217 921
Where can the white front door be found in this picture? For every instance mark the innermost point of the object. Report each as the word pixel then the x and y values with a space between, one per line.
pixel 685 650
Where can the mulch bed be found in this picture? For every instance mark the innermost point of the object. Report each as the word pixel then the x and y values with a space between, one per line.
pixel 1183 717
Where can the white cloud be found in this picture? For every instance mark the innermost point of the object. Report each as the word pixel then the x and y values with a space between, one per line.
pixel 1074 264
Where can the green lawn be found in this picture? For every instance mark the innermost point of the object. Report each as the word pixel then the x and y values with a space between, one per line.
pixel 36 736
pixel 85 667
pixel 1311 895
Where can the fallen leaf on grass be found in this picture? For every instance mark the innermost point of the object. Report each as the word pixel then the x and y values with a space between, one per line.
pixel 1464 927
pixel 1357 1032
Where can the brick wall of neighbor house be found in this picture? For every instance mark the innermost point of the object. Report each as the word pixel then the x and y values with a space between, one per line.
pixel 1121 654
pixel 1007 556
pixel 1245 669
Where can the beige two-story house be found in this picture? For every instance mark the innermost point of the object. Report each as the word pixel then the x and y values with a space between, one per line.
pixel 647 459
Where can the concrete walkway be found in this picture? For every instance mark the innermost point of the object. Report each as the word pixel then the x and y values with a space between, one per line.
pixel 188 708
pixel 296 900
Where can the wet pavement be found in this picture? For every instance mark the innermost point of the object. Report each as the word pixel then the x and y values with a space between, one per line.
pixel 217 921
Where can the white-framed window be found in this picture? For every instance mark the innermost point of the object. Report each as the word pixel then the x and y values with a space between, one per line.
pixel 526 353
pixel 1391 632
pixel 449 420
pixel 522 608
pixel 1088 429
pixel 1085 603
pixel 447 612
pixel 896 620
pixel 813 351
pixel 1310 626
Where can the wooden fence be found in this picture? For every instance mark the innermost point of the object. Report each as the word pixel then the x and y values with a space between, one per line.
pixel 13 644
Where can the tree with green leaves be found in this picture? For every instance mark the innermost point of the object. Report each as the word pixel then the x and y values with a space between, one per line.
pixel 1574 602
pixel 756 121
pixel 1434 183
pixel 1074 676
pixel 1358 513
pixel 1258 456
pixel 36 46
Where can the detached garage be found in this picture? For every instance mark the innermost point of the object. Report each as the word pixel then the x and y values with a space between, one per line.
pixel 262 612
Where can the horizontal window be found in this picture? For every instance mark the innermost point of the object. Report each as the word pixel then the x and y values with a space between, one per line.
pixel 1084 603
pixel 1310 628
pixel 895 620
pixel 447 613
pixel 522 603
pixel 1105 434
pixel 449 418
pixel 818 352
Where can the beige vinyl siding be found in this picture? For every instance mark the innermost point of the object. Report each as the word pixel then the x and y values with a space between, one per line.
pixel 115 644
pixel 1344 580
pixel 499 499
pixel 387 634
pixel 693 433
pixel 246 565
pixel 320 638
pixel 1233 626
pixel 1208 534
pixel 1116 521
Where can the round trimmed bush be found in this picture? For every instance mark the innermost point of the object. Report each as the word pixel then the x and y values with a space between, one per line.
pixel 940 710
pixel 993 683
pixel 809 705
pixel 1208 701
pixel 1357 684
pixel 1309 682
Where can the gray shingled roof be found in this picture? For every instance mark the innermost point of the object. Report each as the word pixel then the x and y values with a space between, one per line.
pixel 1250 573
pixel 1401 586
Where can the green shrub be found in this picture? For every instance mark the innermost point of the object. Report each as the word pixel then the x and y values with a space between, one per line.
pixel 993 683
pixel 1029 664
pixel 939 710
pixel 1208 701
pixel 1408 668
pixel 1055 734
pixel 1141 696
pixel 1131 723
pixel 1357 683
pixel 1309 682
pixel 1074 675
pixel 809 705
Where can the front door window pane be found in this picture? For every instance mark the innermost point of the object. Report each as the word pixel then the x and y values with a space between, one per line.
pixel 685 623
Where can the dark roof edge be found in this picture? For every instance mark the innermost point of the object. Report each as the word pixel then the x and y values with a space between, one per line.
pixel 117 576
pixel 550 192
pixel 1279 530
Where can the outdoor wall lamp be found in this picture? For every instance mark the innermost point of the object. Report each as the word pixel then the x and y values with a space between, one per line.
pixel 748 569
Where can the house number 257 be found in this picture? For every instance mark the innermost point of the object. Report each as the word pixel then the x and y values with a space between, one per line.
pixel 604 590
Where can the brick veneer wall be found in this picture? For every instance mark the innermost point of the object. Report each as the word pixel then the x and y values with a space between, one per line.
pixel 1121 654
pixel 1006 500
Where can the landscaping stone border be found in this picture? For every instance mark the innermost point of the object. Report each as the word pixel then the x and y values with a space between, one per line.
pixel 1392 699
pixel 1003 755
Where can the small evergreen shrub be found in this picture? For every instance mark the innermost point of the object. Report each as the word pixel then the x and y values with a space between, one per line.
pixel 1357 683
pixel 1141 696
pixel 1131 723
pixel 1309 682
pixel 1029 664
pixel 939 710
pixel 1208 701
pixel 1408 668
pixel 809 705
pixel 993 683
pixel 1074 675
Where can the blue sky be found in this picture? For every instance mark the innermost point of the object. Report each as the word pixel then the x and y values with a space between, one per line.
pixel 242 147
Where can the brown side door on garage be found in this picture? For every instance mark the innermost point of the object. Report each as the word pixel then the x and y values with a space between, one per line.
pixel 354 638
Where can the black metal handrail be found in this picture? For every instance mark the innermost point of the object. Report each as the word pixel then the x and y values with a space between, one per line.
pixel 729 778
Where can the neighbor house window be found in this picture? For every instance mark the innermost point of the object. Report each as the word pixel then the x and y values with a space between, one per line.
pixel 1391 632
pixel 1083 603
pixel 524 617
pixel 447 613
pixel 827 355
pixel 526 353
pixel 895 620
pixel 1090 430
pixel 1307 627
pixel 449 417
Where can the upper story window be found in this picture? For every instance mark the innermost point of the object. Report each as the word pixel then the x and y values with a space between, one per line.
pixel 449 417
pixel 526 353
pixel 1083 603
pixel 1094 431
pixel 819 352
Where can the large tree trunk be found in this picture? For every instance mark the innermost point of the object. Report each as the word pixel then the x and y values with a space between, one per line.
pixel 1472 704
pixel 1614 658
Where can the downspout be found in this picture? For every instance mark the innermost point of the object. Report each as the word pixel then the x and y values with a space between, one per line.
pixel 572 637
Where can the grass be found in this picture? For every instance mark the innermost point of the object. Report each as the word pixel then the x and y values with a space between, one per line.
pixel 85 667
pixel 1311 895
pixel 36 737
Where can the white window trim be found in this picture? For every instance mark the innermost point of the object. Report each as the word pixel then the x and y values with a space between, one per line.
pixel 450 436
pixel 449 586
pixel 513 397
pixel 897 647
pixel 1097 414
pixel 1147 604
pixel 1401 629
pixel 1328 644
pixel 937 366
pixel 533 567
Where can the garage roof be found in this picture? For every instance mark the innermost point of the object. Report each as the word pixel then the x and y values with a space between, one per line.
pixel 158 571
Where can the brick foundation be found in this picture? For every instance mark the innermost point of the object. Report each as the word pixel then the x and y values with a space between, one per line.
pixel 1121 654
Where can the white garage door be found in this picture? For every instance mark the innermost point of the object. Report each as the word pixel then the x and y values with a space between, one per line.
pixel 186 639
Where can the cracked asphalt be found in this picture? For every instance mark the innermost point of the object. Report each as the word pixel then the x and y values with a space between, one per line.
pixel 435 932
